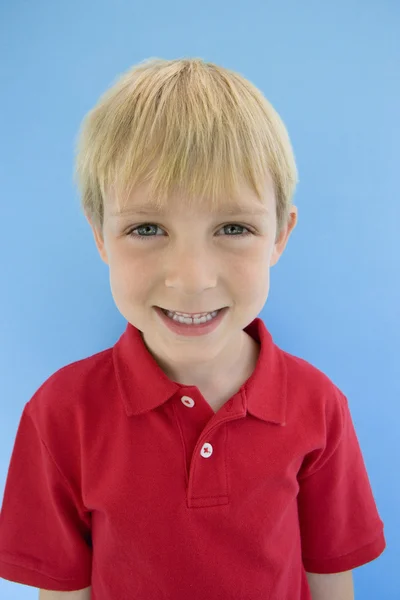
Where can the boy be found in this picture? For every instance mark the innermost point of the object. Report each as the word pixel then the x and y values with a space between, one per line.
pixel 194 459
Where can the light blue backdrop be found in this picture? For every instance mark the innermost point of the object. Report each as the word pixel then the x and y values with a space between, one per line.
pixel 332 72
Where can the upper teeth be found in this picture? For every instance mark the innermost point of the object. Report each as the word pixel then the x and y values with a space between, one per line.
pixel 197 316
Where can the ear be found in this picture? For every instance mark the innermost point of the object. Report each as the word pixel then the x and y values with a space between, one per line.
pixel 283 239
pixel 99 239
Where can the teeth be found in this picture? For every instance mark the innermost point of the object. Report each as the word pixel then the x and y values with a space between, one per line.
pixel 196 320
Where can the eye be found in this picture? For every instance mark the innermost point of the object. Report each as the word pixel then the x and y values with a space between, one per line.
pixel 141 236
pixel 142 227
pixel 248 232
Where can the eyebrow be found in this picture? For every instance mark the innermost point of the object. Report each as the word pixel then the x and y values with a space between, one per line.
pixel 149 210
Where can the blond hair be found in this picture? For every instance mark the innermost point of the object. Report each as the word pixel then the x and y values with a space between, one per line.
pixel 186 125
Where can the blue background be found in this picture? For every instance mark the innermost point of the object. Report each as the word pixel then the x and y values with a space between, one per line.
pixel 332 72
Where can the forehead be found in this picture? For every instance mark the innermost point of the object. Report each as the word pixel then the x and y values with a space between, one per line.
pixel 140 203
pixel 237 209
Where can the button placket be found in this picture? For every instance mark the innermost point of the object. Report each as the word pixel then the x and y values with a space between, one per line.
pixel 207 449
pixel 207 480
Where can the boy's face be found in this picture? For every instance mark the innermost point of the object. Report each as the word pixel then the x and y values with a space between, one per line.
pixel 191 261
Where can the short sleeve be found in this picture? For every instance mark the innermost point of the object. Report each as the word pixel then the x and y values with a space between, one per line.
pixel 339 522
pixel 45 537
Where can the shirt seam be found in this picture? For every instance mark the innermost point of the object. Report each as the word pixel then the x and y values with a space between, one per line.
pixel 33 569
pixel 30 410
pixel 348 553
pixel 327 462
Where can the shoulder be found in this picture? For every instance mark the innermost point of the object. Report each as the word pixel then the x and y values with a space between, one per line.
pixel 318 412
pixel 315 403
pixel 70 394
pixel 305 372
pixel 68 411
pixel 305 379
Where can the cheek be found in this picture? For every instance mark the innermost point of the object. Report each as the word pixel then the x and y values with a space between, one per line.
pixel 250 284
pixel 128 275
pixel 253 265
pixel 254 273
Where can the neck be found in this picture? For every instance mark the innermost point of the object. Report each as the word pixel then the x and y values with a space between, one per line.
pixel 222 376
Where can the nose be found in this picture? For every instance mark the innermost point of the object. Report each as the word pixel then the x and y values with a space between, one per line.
pixel 191 270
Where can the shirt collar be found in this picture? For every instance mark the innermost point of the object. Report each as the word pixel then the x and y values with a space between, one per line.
pixel 143 385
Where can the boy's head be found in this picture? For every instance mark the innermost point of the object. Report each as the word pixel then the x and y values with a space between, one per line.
pixel 201 150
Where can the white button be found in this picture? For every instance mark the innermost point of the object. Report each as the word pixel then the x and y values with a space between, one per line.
pixel 206 450
pixel 187 401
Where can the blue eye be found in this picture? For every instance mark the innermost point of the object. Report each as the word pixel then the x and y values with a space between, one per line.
pixel 149 225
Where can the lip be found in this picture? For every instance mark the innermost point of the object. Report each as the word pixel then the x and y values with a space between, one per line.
pixel 191 330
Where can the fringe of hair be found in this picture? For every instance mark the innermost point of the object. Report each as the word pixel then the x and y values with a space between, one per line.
pixel 185 125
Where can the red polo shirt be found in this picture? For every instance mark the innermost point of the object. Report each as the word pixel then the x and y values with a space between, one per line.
pixel 129 482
